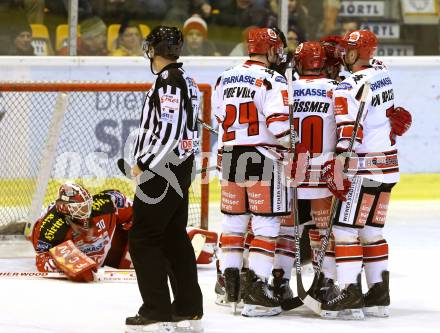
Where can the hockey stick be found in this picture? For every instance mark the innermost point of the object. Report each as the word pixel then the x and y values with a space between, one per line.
pixel 208 127
pixel 310 300
pixel 294 191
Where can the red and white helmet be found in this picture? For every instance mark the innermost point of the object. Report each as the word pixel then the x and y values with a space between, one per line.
pixel 260 40
pixel 332 54
pixel 310 55
pixel 364 41
pixel 74 201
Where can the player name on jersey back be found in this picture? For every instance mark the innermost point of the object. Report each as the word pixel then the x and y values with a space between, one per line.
pixel 250 103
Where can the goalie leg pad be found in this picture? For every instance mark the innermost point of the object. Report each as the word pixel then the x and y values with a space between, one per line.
pixel 210 246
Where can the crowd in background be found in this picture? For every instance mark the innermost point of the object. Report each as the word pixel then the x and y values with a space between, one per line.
pixel 210 27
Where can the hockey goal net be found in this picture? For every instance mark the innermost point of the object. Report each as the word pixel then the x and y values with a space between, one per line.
pixel 53 132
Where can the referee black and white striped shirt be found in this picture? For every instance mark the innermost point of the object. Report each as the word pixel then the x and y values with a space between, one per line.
pixel 169 119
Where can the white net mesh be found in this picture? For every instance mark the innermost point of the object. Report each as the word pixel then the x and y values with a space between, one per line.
pixel 93 133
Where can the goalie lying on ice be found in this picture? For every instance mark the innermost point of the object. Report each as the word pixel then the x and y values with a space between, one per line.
pixel 79 233
pixel 96 226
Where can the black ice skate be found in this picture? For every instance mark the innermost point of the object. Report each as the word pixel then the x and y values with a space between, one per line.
pixel 220 290
pixel 259 300
pixel 325 289
pixel 348 305
pixel 281 289
pixel 243 285
pixel 377 299
pixel 232 286
pixel 139 323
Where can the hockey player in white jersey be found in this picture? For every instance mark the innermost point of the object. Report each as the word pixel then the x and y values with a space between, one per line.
pixel 251 106
pixel 360 220
pixel 315 124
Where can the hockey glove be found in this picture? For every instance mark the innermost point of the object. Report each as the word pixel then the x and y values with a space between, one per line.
pixel 335 179
pixel 400 120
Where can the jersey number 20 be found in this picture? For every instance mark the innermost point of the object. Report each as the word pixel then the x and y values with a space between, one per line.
pixel 311 133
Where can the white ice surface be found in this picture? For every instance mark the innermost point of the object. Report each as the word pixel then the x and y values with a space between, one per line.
pixel 412 230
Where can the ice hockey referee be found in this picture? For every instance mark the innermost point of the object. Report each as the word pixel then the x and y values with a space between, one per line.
pixel 164 151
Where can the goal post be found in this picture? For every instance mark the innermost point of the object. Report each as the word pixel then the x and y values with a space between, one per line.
pixel 42 146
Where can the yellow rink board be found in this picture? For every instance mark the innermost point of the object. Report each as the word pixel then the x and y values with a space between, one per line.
pixel 18 191
pixel 419 186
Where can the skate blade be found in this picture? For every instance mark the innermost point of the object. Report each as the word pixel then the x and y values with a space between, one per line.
pixel 377 311
pixel 250 310
pixel 234 307
pixel 349 314
pixel 165 327
pixel 221 300
pixel 189 326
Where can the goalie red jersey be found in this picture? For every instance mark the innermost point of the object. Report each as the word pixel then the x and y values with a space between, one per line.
pixel 102 236
pixel 375 145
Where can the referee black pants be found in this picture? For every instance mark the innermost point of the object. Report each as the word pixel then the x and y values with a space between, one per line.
pixel 160 248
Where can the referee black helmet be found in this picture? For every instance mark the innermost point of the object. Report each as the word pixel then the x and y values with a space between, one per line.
pixel 166 41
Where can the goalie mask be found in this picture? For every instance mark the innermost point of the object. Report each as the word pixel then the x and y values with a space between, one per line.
pixel 76 202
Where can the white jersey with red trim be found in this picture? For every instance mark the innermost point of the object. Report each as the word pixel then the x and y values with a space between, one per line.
pixel 375 148
pixel 315 124
pixel 250 103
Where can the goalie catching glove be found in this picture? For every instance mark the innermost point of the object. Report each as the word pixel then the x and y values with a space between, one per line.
pixel 335 179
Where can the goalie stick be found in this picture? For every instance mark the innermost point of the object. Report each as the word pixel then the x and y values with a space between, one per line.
pixel 104 274
pixel 309 298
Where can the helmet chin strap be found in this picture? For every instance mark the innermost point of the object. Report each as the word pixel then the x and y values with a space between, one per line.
pixel 349 67
pixel 151 64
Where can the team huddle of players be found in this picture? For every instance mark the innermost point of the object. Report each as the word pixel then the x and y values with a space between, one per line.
pixel 251 105
pixel 79 233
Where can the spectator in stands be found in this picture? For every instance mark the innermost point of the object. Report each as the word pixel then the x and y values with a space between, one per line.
pixel 195 32
pixel 240 13
pixel 294 38
pixel 240 50
pixel 202 8
pixel 116 10
pixel 324 14
pixel 129 41
pixel 348 25
pixel 32 9
pixel 180 10
pixel 93 39
pixel 21 39
pixel 298 16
